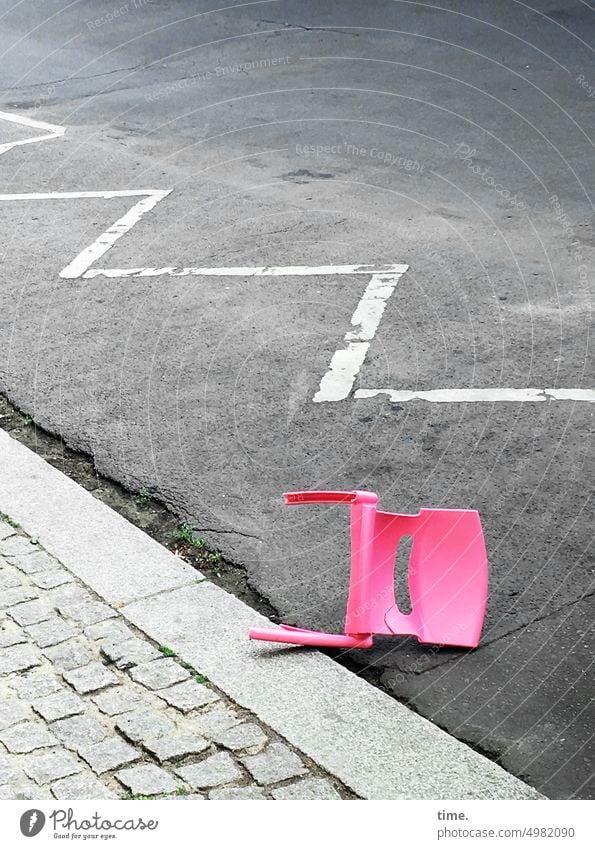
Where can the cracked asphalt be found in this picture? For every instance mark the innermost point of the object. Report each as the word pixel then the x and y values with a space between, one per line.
pixel 455 138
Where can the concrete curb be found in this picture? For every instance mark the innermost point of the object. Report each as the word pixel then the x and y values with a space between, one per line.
pixel 373 744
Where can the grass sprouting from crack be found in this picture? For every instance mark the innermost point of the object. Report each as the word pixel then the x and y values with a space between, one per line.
pixel 143 497
pixel 185 533
pixel 167 652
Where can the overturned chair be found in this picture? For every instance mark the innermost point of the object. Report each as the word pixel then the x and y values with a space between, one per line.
pixel 448 576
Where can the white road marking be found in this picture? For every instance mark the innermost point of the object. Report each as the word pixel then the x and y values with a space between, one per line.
pixel 51 131
pixel 344 367
pixel 346 363
pixel 489 395
pixel 337 383
pixel 88 256
pixel 248 271
pixel 119 193
pixel 80 264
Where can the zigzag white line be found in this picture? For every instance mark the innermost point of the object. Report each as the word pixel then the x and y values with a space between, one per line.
pixel 80 264
pixel 52 131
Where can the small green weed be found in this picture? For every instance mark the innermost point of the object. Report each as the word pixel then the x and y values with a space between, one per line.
pixel 215 557
pixel 167 652
pixel 186 534
pixel 142 497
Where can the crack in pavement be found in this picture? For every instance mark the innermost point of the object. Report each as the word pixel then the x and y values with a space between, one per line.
pixel 309 29
pixel 34 86
pixel 484 645
pixel 238 533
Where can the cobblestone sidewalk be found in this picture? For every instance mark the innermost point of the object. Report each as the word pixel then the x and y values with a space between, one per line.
pixel 92 709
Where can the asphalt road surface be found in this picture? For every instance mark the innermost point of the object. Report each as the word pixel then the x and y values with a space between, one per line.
pixel 153 154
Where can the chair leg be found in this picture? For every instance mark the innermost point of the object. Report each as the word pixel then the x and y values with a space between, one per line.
pixel 301 637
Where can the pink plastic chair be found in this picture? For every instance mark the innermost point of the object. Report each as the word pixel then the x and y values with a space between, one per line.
pixel 448 576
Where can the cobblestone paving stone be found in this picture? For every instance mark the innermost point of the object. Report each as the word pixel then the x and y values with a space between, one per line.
pixel 90 708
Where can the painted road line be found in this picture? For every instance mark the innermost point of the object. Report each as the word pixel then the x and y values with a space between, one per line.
pixel 106 195
pixel 51 131
pixel 346 363
pixel 149 198
pixel 89 255
pixel 248 271
pixel 488 395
